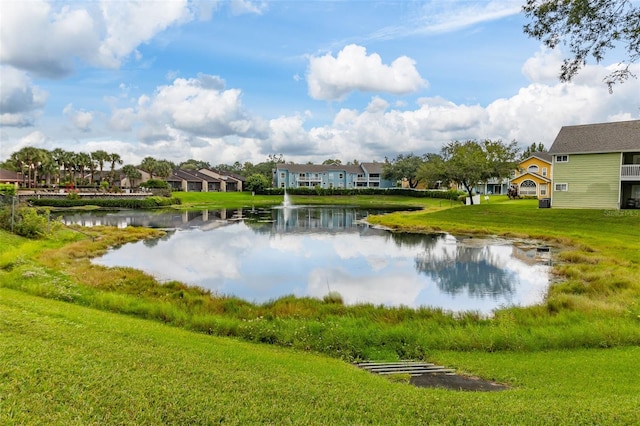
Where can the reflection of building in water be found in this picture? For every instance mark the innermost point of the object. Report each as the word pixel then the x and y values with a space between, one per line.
pixel 205 219
pixel 532 255
pixel 321 220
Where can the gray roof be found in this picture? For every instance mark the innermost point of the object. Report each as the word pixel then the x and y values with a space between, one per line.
pixel 192 176
pixel 621 136
pixel 544 156
pixel 372 167
pixel 8 175
pixel 319 168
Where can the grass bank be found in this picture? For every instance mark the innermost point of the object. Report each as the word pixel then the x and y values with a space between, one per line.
pixel 596 306
pixel 213 200
pixel 67 364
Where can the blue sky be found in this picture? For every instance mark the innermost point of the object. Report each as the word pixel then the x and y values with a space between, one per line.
pixel 238 80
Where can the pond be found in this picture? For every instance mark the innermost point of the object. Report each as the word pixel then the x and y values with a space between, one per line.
pixel 261 255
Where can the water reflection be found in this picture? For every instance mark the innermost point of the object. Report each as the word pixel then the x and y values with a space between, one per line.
pixel 263 254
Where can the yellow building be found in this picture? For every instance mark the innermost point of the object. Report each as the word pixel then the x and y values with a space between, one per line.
pixel 533 177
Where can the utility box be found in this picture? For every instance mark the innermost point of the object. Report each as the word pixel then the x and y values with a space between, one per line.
pixel 544 203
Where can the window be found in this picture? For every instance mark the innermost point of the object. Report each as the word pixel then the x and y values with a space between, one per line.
pixel 562 158
pixel 282 175
pixel 533 168
pixel 340 176
pixel 543 189
pixel 528 188
pixel 561 187
pixel 544 171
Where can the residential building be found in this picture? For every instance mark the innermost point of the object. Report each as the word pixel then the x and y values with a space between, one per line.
pixel 493 186
pixel 192 181
pixel 597 166
pixel 229 182
pixel 363 175
pixel 9 177
pixel 205 180
pixel 533 176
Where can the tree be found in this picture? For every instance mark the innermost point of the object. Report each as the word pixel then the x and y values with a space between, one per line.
pixel 193 164
pixel 163 168
pixel 470 162
pixel 114 158
pixel 403 166
pixel 83 162
pixel 533 148
pixel 149 165
pixel 27 160
pixel 590 28
pixel 256 182
pixel 332 162
pixel 132 173
pixel 431 171
pixel 101 157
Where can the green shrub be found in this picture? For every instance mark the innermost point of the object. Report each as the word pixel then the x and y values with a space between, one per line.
pixel 448 195
pixel 257 183
pixel 7 189
pixel 107 202
pixel 155 183
pixel 25 221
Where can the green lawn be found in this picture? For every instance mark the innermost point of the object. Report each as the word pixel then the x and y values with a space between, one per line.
pixel 214 200
pixel 571 360
pixel 66 364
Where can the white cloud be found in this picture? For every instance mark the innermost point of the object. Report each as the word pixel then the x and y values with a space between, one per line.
pixel 241 7
pixel 81 120
pixel 331 78
pixel 53 35
pixel 439 17
pixel 19 98
pixel 36 139
pixel 131 23
pixel 199 106
pixel 122 119
pixel 49 40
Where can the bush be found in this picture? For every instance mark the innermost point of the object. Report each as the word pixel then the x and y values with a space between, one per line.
pixel 155 183
pixel 7 189
pixel 122 203
pixel 257 183
pixel 448 195
pixel 26 222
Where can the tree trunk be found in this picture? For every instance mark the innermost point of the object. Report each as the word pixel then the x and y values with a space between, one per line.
pixel 470 192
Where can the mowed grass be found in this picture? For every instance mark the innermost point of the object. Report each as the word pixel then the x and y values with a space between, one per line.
pixel 67 364
pixel 63 363
pixel 213 200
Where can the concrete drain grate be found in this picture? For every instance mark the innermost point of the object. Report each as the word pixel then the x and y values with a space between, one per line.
pixel 413 368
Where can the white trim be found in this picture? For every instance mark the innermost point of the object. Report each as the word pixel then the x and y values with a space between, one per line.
pixel 560 159
pixel 559 187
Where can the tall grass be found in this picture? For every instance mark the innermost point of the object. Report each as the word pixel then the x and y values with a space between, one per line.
pixel 595 303
pixel 66 364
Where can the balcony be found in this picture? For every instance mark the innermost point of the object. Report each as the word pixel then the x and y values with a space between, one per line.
pixel 630 172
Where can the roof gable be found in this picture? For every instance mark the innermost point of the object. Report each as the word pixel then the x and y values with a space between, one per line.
pixel 620 136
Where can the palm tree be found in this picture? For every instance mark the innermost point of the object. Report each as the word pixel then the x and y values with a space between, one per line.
pixel 28 157
pixel 163 169
pixel 58 157
pixel 46 166
pixel 149 165
pixel 132 173
pixel 101 157
pixel 115 159
pixel 83 162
